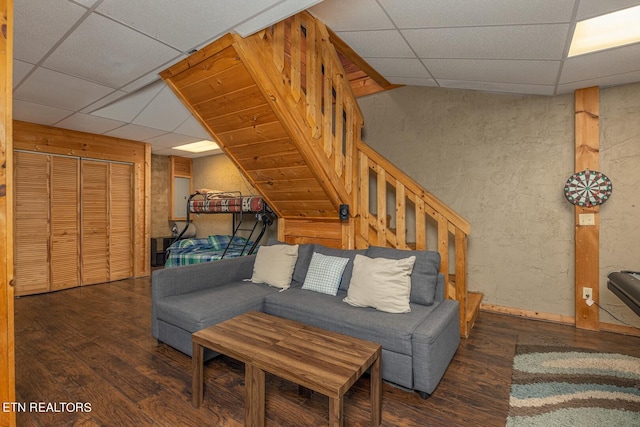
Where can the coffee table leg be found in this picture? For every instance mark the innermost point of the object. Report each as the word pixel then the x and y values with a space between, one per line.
pixel 336 418
pixel 197 389
pixel 376 392
pixel 255 397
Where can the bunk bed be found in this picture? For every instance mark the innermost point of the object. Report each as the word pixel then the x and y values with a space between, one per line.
pixel 250 218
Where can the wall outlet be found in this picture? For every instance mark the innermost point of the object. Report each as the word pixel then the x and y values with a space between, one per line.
pixel 587 293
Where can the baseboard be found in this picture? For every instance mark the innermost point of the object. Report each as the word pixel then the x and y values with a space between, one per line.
pixel 556 318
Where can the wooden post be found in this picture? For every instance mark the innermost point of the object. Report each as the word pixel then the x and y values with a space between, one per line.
pixel 587 237
pixel 7 361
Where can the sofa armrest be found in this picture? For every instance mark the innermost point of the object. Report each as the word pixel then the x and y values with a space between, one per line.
pixel 181 280
pixel 434 343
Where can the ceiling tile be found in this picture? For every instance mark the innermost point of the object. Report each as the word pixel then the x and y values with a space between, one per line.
pixel 59 90
pixel 112 97
pixel 128 107
pixel 614 80
pixel 591 8
pixel 461 13
pixel 36 113
pixel 604 63
pixel 134 132
pixel 88 123
pixel 20 71
pixel 106 52
pixel 381 44
pixel 273 15
pixel 412 81
pixel 169 140
pixel 498 87
pixel 87 3
pixel 505 42
pixel 399 67
pixel 352 15
pixel 164 112
pixel 497 71
pixel 39 26
pixel 192 127
pixel 189 22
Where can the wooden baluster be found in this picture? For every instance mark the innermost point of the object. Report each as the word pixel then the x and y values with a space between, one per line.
pixel 353 128
pixel 278 45
pixel 327 117
pixel 296 56
pixel 314 82
pixel 421 225
pixel 338 123
pixel 382 207
pixel 401 233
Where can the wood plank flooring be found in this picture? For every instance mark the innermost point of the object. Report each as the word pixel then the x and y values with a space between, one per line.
pixel 93 345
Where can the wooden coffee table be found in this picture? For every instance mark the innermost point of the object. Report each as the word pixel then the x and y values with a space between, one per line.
pixel 325 362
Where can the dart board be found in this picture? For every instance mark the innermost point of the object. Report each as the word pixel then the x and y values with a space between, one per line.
pixel 588 188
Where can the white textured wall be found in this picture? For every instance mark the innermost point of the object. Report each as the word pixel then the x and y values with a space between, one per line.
pixel 501 161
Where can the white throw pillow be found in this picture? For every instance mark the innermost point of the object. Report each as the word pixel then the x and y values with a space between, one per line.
pixel 325 273
pixel 381 283
pixel 274 265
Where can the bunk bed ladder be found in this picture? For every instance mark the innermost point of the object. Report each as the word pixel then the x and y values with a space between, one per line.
pixel 238 217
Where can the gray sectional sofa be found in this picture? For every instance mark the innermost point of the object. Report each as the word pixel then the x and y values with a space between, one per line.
pixel 417 346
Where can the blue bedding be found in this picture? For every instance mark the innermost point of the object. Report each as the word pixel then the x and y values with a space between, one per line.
pixel 212 248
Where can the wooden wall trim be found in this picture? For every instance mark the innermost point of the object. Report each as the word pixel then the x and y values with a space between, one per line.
pixel 587 237
pixel 7 357
pixel 51 140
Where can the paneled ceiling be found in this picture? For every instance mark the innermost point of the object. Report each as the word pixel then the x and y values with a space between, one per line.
pixel 92 65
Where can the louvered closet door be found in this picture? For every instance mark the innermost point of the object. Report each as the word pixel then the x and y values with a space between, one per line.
pixel 95 219
pixel 65 222
pixel 120 227
pixel 31 223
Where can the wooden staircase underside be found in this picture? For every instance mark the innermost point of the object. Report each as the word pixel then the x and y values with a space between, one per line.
pixel 219 89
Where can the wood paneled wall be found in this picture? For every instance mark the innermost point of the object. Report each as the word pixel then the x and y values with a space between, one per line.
pixel 47 139
pixel 7 375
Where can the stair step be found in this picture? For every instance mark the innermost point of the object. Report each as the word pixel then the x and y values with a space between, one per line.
pixel 473 307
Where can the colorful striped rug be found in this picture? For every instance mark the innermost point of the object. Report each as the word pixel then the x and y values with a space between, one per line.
pixel 573 387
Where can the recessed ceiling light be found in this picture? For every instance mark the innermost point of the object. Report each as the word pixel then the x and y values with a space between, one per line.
pixel 198 147
pixel 606 31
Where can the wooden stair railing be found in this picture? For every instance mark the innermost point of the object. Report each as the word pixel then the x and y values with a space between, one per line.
pixel 391 185
pixel 300 76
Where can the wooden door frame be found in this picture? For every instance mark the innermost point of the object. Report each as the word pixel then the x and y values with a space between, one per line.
pixel 7 357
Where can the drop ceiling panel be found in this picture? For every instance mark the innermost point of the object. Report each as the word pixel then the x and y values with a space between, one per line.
pixel 88 123
pixel 108 53
pixel 412 81
pixel 169 140
pixel 504 42
pixel 113 96
pixel 591 8
pixel 272 15
pixel 399 67
pixel 498 71
pixel 190 22
pixel 498 87
pixel 20 71
pixel 599 64
pixel 126 109
pixel 460 13
pixel 384 43
pixel 32 42
pixel 614 80
pixel 192 127
pixel 59 90
pixel 352 15
pixel 135 132
pixel 36 113
pixel 164 112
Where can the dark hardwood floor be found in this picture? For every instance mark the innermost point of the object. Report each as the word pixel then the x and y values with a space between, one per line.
pixel 93 345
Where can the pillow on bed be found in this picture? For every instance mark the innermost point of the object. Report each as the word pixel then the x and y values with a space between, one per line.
pixel 274 265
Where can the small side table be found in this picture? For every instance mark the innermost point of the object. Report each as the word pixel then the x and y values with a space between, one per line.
pixel 159 247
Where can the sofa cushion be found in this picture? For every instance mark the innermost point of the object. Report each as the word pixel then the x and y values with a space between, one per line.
pixel 342 253
pixel 197 310
pixel 392 331
pixel 274 265
pixel 381 283
pixel 325 273
pixel 424 277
